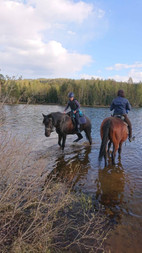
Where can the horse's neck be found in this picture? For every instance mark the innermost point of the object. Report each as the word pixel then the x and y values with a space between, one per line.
pixel 57 117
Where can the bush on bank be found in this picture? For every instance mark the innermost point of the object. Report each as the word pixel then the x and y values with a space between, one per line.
pixel 39 213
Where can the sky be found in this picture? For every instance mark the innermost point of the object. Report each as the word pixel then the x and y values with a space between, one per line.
pixel 71 39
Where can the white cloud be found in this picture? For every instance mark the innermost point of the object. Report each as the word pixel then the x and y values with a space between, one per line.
pixel 133 73
pixel 119 78
pixel 86 76
pixel 131 70
pixel 120 66
pixel 48 60
pixel 33 33
pixel 62 10
pixel 18 20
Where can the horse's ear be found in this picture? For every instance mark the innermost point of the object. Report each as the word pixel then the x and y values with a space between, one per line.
pixel 43 115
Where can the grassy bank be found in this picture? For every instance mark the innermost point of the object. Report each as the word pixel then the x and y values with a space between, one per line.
pixel 39 214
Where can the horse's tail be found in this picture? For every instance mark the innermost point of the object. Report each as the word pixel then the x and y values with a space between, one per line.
pixel 105 129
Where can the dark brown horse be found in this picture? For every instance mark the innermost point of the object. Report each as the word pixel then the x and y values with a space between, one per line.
pixel 64 126
pixel 113 130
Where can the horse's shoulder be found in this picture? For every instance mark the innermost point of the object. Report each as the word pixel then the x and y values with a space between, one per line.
pixel 66 117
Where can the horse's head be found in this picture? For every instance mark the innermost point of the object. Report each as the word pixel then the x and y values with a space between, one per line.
pixel 48 122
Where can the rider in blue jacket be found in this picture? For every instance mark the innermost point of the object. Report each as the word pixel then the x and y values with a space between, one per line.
pixel 74 105
pixel 121 106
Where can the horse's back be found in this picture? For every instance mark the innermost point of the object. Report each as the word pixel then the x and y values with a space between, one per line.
pixel 115 122
pixel 118 128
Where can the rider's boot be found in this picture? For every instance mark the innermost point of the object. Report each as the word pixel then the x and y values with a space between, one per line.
pixel 130 136
pixel 130 139
pixel 78 129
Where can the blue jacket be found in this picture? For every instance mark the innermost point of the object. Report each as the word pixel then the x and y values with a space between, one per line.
pixel 120 105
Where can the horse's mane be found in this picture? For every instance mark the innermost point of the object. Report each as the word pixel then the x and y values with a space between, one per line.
pixel 64 118
pixel 55 114
pixel 58 117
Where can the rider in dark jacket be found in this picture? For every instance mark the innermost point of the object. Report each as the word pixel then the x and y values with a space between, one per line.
pixel 74 105
pixel 121 106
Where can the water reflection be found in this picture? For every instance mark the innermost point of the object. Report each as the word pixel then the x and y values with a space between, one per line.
pixel 110 188
pixel 73 167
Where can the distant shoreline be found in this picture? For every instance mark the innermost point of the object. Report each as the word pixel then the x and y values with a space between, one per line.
pixel 88 106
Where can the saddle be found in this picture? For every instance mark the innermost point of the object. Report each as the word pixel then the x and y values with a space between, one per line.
pixel 82 118
pixel 120 117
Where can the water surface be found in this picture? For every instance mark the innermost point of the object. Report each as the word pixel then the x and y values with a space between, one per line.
pixel 118 188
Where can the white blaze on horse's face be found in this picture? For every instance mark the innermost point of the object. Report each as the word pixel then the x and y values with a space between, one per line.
pixel 48 126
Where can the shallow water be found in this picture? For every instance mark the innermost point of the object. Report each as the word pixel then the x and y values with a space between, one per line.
pixel 117 187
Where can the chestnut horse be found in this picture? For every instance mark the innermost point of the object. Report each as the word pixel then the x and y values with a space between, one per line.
pixel 113 130
pixel 64 126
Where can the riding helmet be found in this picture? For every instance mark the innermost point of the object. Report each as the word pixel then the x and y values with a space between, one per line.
pixel 71 94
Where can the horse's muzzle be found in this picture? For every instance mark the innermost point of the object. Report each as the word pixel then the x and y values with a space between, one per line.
pixel 47 134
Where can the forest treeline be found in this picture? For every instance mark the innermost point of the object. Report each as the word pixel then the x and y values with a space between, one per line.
pixel 94 92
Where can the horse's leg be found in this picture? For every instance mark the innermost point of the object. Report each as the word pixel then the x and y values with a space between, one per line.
pixel 113 155
pixel 109 145
pixel 105 158
pixel 63 142
pixel 88 135
pixel 115 148
pixel 59 139
pixel 119 149
pixel 79 137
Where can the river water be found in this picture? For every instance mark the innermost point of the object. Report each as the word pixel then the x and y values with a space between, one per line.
pixel 118 188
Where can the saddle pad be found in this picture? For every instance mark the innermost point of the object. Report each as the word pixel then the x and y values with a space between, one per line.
pixel 82 120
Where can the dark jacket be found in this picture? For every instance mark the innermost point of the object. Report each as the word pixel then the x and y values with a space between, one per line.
pixel 120 105
pixel 74 105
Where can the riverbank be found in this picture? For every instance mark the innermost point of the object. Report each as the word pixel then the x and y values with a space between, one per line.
pixel 41 214
pixel 50 104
